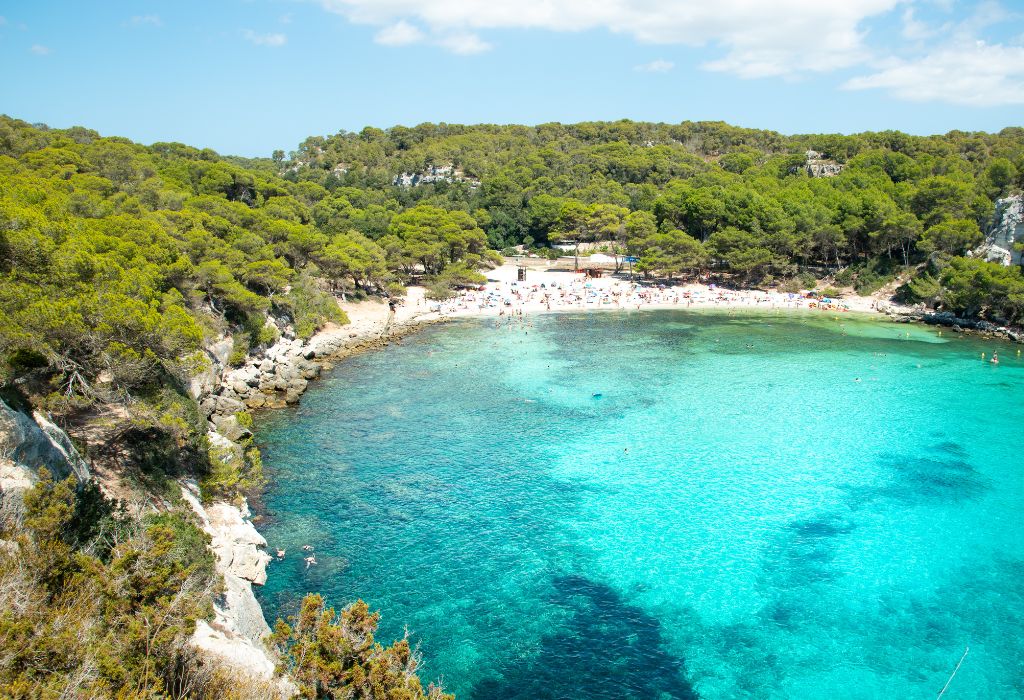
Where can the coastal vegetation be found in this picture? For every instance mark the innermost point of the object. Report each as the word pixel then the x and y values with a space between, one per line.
pixel 121 264
pixel 95 602
pixel 748 204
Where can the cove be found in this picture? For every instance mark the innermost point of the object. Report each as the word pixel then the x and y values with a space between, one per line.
pixel 667 504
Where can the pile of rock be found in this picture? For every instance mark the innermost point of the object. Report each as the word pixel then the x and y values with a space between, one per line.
pixel 273 379
pixel 986 328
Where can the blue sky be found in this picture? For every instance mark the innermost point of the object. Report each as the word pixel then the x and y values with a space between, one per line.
pixel 248 76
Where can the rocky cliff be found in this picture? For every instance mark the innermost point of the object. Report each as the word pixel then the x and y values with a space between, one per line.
pixel 1006 230
pixel 31 442
pixel 237 631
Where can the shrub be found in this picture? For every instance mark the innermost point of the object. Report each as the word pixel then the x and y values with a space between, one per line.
pixel 87 612
pixel 333 656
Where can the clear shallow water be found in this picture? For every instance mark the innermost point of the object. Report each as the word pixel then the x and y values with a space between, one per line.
pixel 735 516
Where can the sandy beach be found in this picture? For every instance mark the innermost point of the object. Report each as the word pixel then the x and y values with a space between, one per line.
pixel 553 291
pixel 557 290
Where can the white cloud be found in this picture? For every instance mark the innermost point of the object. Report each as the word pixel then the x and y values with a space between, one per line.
pixel 656 66
pixel 141 20
pixel 975 74
pixel 274 40
pixel 915 30
pixel 464 43
pixel 758 38
pixel 399 34
pixel 40 50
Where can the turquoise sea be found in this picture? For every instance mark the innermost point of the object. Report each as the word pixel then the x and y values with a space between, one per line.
pixel 668 504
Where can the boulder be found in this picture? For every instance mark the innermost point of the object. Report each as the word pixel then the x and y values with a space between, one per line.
pixel 229 427
pixel 231 450
pixel 229 405
pixel 208 407
pixel 287 372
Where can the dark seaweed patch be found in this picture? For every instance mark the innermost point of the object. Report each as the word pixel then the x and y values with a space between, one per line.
pixel 608 649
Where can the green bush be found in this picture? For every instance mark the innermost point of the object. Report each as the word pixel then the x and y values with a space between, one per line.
pixel 332 655
pixel 868 277
pixel 100 613
pixel 233 473
pixel 310 307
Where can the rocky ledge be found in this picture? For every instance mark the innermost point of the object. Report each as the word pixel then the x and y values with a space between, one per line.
pixel 957 323
pixel 279 375
pixel 238 629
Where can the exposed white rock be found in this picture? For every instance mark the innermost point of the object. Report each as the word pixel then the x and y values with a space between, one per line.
pixel 237 632
pixel 1007 229
pixel 32 442
pixel 14 477
pixel 205 381
pixel 62 443
pixel 237 544
pixel 231 648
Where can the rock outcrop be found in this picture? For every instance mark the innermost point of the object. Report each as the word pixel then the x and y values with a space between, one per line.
pixel 1006 231
pixel 279 375
pixel 29 443
pixel 206 380
pixel 272 379
pixel 817 165
pixel 237 631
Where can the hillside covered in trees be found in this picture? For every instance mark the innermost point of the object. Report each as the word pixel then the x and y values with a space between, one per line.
pixel 121 263
pixel 691 196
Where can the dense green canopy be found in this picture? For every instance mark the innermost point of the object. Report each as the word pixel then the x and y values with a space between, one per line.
pixel 744 197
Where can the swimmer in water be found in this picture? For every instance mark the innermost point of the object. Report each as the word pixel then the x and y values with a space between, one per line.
pixel 995 358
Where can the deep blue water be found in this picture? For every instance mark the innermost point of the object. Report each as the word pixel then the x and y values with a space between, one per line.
pixel 736 515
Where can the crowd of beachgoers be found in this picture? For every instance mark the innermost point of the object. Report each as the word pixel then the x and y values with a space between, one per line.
pixel 541 291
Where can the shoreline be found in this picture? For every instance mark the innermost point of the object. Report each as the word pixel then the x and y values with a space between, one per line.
pixel 553 291
pixel 372 326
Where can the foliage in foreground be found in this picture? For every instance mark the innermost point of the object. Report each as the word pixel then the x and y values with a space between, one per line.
pixel 335 656
pixel 97 603
pixel 94 603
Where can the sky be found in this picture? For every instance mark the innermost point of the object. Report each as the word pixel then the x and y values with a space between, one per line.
pixel 246 77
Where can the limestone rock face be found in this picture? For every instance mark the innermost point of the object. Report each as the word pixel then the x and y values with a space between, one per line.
pixel 31 442
pixel 237 632
pixel 237 544
pixel 205 381
pixel 1006 231
pixel 229 427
